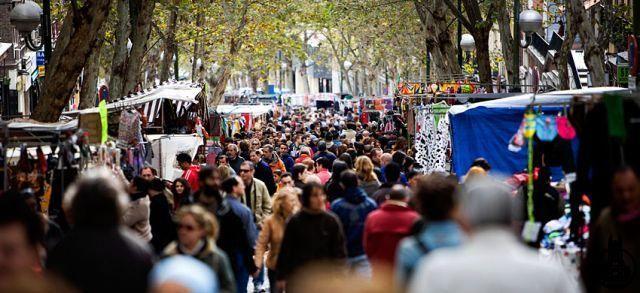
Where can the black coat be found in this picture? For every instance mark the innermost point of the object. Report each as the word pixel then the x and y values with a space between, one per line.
pixel 163 228
pixel 102 260
pixel 264 174
pixel 309 238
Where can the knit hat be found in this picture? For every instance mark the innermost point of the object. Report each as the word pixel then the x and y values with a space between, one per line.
pixel 546 128
pixel 565 129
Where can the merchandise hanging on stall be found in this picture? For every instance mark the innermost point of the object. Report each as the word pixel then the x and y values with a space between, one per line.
pixel 432 138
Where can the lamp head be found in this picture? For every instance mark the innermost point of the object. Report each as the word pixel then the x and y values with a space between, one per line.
pixel 530 21
pixel 25 16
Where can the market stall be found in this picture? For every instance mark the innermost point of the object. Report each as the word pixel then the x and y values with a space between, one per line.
pixel 485 129
pixel 167 147
pixel 230 119
pixel 168 108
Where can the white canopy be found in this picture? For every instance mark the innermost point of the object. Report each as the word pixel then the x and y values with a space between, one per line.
pixel 255 110
pixel 179 92
pixel 557 97
pixel 33 125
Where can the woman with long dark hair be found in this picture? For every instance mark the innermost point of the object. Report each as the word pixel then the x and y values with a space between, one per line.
pixel 181 193
pixel 333 188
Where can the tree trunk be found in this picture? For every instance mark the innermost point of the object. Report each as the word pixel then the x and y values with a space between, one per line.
pixel 169 43
pixel 218 85
pixel 593 53
pixel 139 37
pixel 119 63
pixel 484 61
pixel 305 79
pixel 433 16
pixel 151 65
pixel 504 24
pixel 562 58
pixel 196 49
pixel 265 83
pixel 69 57
pixel 89 89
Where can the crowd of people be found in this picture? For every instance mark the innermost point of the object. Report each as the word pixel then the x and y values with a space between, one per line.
pixel 307 190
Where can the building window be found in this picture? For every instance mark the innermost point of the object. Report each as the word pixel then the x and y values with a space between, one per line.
pixel 324 85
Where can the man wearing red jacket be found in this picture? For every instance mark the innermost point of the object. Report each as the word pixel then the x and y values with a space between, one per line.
pixel 190 172
pixel 385 227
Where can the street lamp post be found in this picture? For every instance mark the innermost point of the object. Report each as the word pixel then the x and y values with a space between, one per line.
pixel 468 44
pixel 347 66
pixel 529 21
pixel 26 16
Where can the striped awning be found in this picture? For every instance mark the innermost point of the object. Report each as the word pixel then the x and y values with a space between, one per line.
pixel 152 109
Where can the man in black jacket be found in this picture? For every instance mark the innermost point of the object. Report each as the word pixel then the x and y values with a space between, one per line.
pixel 99 254
pixel 163 228
pixel 263 171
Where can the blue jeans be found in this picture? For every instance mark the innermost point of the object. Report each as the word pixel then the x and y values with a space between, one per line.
pixel 360 265
pixel 241 273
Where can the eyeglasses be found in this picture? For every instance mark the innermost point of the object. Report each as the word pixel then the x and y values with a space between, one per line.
pixel 186 227
pixel 244 171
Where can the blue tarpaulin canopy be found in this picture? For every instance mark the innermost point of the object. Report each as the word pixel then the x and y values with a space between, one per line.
pixel 484 129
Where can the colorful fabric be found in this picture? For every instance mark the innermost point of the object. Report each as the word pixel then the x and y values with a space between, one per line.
pixel 565 129
pixel 546 128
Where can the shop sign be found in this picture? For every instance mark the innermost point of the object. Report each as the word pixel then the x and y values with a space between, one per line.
pixel 40 70
pixel 40 58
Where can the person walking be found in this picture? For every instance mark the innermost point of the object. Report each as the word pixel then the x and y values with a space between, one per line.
pixel 181 193
pixel 299 175
pixel 386 227
pixel 256 196
pixel 287 160
pixel 367 178
pixel 190 172
pixel 99 254
pixel 197 233
pixel 333 188
pixel 436 203
pixel 615 231
pixel 322 167
pixel 311 235
pixel 160 219
pixel 232 156
pixel 352 210
pixel 238 232
pixel 262 171
pixel 137 212
pixel 285 204
pixel 271 158
pixel 493 259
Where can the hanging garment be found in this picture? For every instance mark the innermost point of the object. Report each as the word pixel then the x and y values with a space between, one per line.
pixel 411 121
pixel 565 129
pixel 546 128
pixel 440 148
pixel 129 128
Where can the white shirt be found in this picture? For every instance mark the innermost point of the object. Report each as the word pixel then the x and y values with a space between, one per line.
pixel 492 261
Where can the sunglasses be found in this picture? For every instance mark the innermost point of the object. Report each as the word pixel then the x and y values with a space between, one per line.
pixel 244 170
pixel 186 227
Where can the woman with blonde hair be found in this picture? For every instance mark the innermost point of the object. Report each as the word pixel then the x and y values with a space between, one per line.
pixel 285 203
pixel 368 180
pixel 197 233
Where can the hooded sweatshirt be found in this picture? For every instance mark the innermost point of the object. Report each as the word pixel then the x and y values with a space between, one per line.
pixel 352 210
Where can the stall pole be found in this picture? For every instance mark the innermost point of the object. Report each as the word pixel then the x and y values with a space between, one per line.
pixel 5 143
pixel 160 158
